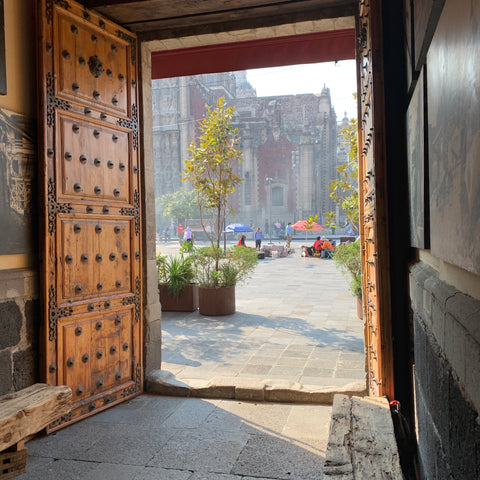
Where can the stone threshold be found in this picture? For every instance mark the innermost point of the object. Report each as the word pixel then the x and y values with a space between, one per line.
pixel 361 442
pixel 163 382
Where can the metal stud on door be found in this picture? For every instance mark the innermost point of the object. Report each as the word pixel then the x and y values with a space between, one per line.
pixel 91 268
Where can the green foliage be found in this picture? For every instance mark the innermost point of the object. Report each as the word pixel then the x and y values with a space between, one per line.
pixel 210 168
pixel 180 205
pixel 344 189
pixel 187 247
pixel 311 220
pixel 348 260
pixel 243 260
pixel 175 271
pixel 215 269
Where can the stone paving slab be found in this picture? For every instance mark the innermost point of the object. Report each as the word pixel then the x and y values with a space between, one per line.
pixel 295 320
pixel 170 438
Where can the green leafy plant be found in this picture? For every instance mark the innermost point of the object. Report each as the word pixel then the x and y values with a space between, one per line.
pixel 210 168
pixel 348 260
pixel 344 189
pixel 309 224
pixel 187 247
pixel 175 271
pixel 215 268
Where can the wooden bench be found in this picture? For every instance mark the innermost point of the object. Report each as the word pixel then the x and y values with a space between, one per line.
pixel 24 413
pixel 362 441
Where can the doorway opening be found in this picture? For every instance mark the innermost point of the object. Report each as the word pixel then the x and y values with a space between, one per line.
pixel 255 191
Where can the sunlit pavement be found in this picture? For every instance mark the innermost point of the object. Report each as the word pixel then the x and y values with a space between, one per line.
pixel 295 324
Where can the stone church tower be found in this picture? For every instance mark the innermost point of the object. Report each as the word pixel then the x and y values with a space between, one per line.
pixel 290 145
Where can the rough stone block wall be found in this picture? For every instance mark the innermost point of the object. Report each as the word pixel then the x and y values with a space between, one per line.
pixel 19 330
pixel 447 376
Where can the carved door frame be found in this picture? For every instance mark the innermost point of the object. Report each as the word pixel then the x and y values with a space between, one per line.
pixel 90 197
pixel 373 200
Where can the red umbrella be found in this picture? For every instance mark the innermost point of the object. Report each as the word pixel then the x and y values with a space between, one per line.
pixel 307 226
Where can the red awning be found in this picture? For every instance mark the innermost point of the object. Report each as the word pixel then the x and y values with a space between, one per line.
pixel 271 52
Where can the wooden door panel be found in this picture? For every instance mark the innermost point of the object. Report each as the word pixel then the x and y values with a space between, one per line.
pixel 94 161
pixel 90 191
pixel 93 64
pixel 74 344
pixel 94 256
pixel 97 352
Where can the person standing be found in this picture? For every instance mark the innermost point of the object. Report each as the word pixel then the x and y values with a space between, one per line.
pixel 188 236
pixel 258 238
pixel 288 234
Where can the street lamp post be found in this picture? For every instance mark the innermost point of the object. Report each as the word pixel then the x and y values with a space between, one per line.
pixel 269 181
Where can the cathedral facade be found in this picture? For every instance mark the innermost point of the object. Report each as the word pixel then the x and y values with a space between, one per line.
pixel 290 144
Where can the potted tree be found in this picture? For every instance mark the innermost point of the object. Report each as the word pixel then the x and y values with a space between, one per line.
pixel 348 259
pixel 210 170
pixel 217 273
pixel 176 289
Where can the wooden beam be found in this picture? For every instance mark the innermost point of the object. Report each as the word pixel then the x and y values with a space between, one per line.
pixel 158 19
pixel 30 410
pixel 105 3
pixel 159 30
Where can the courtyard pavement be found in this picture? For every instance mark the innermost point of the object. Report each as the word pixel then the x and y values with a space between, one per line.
pixel 295 329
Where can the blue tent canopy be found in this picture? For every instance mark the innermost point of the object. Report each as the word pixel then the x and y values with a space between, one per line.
pixel 237 227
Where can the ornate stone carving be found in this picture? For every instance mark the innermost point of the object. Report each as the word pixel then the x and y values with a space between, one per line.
pixel 54 102
pixel 132 125
pixel 55 208
pixel 134 212
pixel 54 313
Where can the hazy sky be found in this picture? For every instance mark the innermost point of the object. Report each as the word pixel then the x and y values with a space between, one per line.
pixel 310 78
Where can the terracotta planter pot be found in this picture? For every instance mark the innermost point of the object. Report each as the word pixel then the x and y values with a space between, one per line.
pixel 187 301
pixel 216 301
pixel 359 308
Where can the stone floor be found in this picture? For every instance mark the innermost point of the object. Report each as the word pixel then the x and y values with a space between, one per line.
pixel 295 322
pixel 169 438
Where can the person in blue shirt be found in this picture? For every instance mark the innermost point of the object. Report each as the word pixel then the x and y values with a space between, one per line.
pixel 258 238
pixel 288 234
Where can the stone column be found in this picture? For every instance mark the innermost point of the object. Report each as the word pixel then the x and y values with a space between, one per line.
pixel 152 327
pixel 185 120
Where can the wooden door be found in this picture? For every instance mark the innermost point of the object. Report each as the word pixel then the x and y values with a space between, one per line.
pixel 373 201
pixel 91 286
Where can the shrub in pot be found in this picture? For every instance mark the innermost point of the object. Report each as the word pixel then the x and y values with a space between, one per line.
pixel 217 273
pixel 177 291
pixel 347 258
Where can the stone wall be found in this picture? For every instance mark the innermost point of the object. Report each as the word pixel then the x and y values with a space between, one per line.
pixel 19 329
pixel 19 305
pixel 447 373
